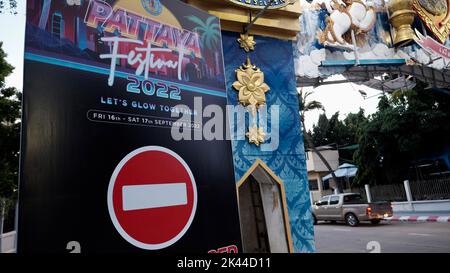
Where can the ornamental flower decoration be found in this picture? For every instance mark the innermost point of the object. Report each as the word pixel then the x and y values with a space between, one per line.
pixel 256 135
pixel 251 86
pixel 247 42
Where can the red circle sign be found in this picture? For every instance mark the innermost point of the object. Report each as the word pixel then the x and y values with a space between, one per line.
pixel 152 197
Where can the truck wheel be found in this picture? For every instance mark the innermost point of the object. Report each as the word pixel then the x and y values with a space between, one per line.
pixel 375 221
pixel 351 220
pixel 314 220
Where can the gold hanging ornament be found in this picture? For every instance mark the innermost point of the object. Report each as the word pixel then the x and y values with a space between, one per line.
pixel 251 86
pixel 252 89
pixel 247 42
pixel 256 135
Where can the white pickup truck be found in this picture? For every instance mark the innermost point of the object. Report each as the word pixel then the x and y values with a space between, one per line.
pixel 351 208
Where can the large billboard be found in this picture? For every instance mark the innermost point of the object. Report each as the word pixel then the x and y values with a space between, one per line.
pixel 100 168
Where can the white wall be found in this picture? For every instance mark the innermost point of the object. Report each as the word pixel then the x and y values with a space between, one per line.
pixel 313 162
pixel 8 242
pixel 422 206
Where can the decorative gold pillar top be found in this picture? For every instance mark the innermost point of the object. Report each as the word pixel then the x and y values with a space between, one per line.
pixel 402 17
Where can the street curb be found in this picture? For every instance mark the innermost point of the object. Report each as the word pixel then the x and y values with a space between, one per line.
pixel 441 219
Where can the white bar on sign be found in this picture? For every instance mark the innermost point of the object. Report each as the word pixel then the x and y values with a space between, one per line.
pixel 150 196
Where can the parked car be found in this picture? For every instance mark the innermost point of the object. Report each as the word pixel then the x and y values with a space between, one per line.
pixel 350 208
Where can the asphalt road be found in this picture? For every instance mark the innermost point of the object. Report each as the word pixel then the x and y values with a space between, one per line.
pixel 395 237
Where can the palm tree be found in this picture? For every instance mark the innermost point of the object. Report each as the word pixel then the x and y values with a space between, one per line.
pixel 209 31
pixel 306 106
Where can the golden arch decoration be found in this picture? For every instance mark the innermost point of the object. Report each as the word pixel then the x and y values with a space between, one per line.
pixel 260 163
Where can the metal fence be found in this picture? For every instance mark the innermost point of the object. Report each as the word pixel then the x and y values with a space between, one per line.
pixel 437 189
pixel 392 193
pixel 433 189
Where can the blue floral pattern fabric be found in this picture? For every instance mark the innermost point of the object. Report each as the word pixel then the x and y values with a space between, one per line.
pixel 275 58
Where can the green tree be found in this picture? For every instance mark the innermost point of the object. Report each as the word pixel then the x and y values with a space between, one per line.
pixel 335 131
pixel 352 124
pixel 327 131
pixel 10 111
pixel 407 126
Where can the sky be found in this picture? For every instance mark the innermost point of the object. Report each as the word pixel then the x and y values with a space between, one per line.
pixel 344 98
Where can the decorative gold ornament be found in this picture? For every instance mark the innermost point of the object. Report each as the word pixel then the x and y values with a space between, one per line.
pixel 436 16
pixel 256 135
pixel 250 84
pixel 247 42
pixel 252 89
pixel 401 17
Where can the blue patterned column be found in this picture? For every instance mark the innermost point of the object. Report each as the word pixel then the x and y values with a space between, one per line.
pixel 276 60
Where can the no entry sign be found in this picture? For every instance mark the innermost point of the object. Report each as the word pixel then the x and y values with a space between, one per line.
pixel 152 197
